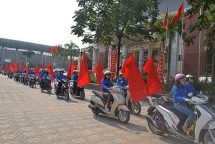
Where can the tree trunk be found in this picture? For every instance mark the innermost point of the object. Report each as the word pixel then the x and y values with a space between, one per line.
pixel 213 65
pixel 168 60
pixel 118 56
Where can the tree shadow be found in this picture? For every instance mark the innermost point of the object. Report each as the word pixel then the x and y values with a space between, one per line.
pixel 129 127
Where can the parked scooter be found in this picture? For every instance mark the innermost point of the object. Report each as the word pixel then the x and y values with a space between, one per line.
pixel 64 91
pixel 46 85
pixel 164 118
pixel 79 91
pixel 118 107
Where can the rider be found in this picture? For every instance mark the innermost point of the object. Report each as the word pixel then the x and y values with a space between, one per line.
pixel 31 72
pixel 43 75
pixel 122 82
pixel 106 86
pixel 180 96
pixel 75 79
pixel 189 84
pixel 59 78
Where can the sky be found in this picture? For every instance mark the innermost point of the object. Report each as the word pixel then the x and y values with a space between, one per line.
pixel 39 21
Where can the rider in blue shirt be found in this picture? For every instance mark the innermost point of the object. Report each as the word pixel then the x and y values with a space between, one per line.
pixel 75 79
pixel 59 78
pixel 122 82
pixel 106 85
pixel 31 73
pixel 189 84
pixel 180 96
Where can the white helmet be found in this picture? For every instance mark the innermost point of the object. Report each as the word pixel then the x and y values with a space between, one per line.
pixel 107 72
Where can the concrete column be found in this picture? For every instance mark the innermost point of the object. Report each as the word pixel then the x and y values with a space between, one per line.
pixel 109 54
pixel 149 50
pixel 2 61
pixel 141 59
pixel 95 58
pixel 124 53
pixel 41 56
pixel 17 55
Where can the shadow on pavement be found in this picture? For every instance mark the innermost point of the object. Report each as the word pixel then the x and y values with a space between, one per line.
pixel 68 101
pixel 172 139
pixel 130 127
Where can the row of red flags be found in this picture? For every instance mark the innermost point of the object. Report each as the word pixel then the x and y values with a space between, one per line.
pixel 176 17
pixel 54 49
pixel 138 88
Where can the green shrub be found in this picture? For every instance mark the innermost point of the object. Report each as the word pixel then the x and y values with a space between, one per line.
pixel 93 79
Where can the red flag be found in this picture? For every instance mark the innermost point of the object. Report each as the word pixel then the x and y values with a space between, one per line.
pixel 20 65
pixel 70 69
pixel 56 49
pixel 43 65
pixel 165 21
pixel 190 17
pixel 51 50
pixel 7 68
pixel 99 74
pixel 178 14
pixel 37 71
pixel 137 86
pixel 26 69
pixel 50 71
pixel 2 67
pixel 84 77
pixel 14 67
pixel 153 82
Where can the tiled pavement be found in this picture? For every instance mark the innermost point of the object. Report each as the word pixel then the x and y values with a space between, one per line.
pixel 29 116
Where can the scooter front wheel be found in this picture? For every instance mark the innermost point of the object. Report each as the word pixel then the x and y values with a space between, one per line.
pixel 123 116
pixel 205 136
pixel 135 108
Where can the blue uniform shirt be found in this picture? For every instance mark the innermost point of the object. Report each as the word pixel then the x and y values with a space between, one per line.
pixel 190 88
pixel 122 82
pixel 31 72
pixel 75 78
pixel 179 94
pixel 106 83
pixel 60 77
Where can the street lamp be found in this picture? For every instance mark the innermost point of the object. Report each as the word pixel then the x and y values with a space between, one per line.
pixel 206 48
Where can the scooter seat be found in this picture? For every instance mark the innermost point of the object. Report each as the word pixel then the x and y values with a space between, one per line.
pixel 99 94
pixel 170 106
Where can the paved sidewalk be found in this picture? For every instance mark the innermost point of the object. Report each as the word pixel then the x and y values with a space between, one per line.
pixel 31 117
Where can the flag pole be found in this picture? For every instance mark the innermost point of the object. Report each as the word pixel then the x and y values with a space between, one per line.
pixel 182 43
pixel 167 43
pixel 200 37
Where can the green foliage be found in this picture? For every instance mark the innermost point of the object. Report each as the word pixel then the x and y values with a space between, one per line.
pixel 205 21
pixel 93 79
pixel 207 88
pixel 111 21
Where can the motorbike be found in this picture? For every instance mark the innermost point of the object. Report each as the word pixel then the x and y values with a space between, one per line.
pixel 32 80
pixel 46 85
pixel 118 107
pixel 135 108
pixel 164 118
pixel 64 90
pixel 79 91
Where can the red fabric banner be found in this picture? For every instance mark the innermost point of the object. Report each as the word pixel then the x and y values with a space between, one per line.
pixel 99 74
pixel 70 69
pixel 137 86
pixel 113 62
pixel 84 76
pixel 153 82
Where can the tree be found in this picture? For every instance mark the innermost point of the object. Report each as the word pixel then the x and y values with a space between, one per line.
pixel 71 49
pixel 28 53
pixel 171 34
pixel 107 21
pixel 206 22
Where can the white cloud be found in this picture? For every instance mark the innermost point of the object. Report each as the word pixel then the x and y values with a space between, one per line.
pixel 39 21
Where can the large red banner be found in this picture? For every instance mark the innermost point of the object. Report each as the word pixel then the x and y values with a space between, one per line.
pixel 113 62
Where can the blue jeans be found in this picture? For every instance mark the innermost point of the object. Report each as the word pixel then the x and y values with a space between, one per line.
pixel 123 92
pixel 182 107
